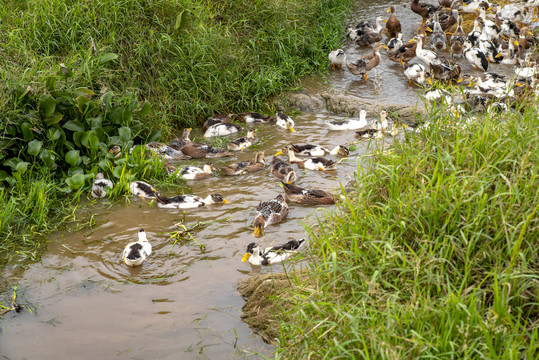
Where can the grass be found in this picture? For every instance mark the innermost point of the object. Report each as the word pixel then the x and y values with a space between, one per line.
pixel 434 256
pixel 188 59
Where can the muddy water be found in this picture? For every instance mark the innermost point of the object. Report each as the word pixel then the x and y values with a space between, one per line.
pixel 183 302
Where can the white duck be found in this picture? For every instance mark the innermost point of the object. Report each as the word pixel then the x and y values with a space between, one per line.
pixel 475 56
pixel 271 255
pixel 188 201
pixel 142 189
pixel 195 173
pixel 337 58
pixel 222 129
pixel 284 121
pixel 136 252
pixel 101 186
pixel 416 73
pixel 350 124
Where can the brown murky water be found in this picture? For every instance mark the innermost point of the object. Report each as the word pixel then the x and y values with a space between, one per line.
pixel 183 302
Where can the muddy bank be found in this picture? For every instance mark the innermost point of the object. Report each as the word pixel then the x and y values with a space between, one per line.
pixel 267 295
pixel 347 105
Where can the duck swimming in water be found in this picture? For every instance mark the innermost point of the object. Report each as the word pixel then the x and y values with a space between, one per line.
pixel 101 186
pixel 136 252
pixel 188 201
pixel 269 212
pixel 271 255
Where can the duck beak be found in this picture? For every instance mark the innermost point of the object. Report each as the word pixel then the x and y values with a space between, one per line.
pixel 429 29
pixel 245 257
pixel 110 151
pixel 278 153
pixel 257 232
pixel 516 43
pixel 459 80
pixel 384 20
pixel 320 168
pixel 292 129
pixel 429 80
pixel 388 11
pixel 225 201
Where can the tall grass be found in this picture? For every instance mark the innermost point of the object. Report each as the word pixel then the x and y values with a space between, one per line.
pixel 188 58
pixel 436 256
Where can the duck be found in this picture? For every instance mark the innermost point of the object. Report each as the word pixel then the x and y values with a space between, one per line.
pixel 491 30
pixel 304 196
pixel 280 169
pixel 271 255
pixel 135 253
pixel 142 189
pixel 167 152
pixel 438 38
pixel 457 39
pixel 416 73
pixel 448 19
pixel 488 47
pixel 475 56
pixel 200 151
pixel 188 201
pixel 424 10
pixel 367 36
pixel 245 167
pixel 316 163
pixel 218 119
pixel 509 55
pixel 474 7
pixel 254 118
pixel 222 129
pixel 178 143
pixel 407 51
pixel 284 121
pixel 426 56
pixel 243 142
pixel 382 124
pixel 394 44
pixel 195 173
pixel 369 134
pixel 307 150
pixel 366 63
pixel 269 212
pixel 473 36
pixel 340 150
pixel 393 25
pixel 445 72
pixel 337 58
pixel 509 29
pixel 349 124
pixel 101 186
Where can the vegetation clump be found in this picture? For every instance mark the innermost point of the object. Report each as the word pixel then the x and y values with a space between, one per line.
pixel 435 255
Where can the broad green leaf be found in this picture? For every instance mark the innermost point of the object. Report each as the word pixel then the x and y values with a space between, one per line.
pixel 73 157
pixel 117 172
pixel 51 83
pixel 106 100
pixel 12 129
pixel 352 148
pixel 125 133
pixel 3 175
pixel 53 119
pixel 34 147
pixel 27 133
pixel 114 140
pixel 46 156
pixel 104 164
pixel 94 141
pixel 116 115
pixel 127 117
pixel 107 57
pixel 95 122
pixel 83 91
pixel 21 166
pixel 85 138
pixel 75 170
pixel 145 110
pixel 77 137
pixel 54 134
pixel 181 20
pixel 47 105
pixel 74 125
pixel 82 103
pixel 85 160
pixel 76 181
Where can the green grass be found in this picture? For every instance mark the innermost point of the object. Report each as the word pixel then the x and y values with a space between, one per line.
pixel 435 256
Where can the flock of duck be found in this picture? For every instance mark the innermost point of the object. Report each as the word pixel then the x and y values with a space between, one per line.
pixel 500 37
pixel 484 45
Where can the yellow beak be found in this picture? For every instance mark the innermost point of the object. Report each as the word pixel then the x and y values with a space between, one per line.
pixel 257 232
pixel 388 10
pixel 245 257
pixel 459 80
pixel 292 129
pixel 225 201
pixel 110 151
pixel 278 153
pixel 320 168
pixel 429 80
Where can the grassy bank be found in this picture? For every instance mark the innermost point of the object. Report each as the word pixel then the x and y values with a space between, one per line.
pixel 435 256
pixel 135 70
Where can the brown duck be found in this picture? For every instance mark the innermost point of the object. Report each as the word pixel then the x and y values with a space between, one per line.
pixel 423 9
pixel 245 167
pixel 366 63
pixel 304 196
pixel 393 25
